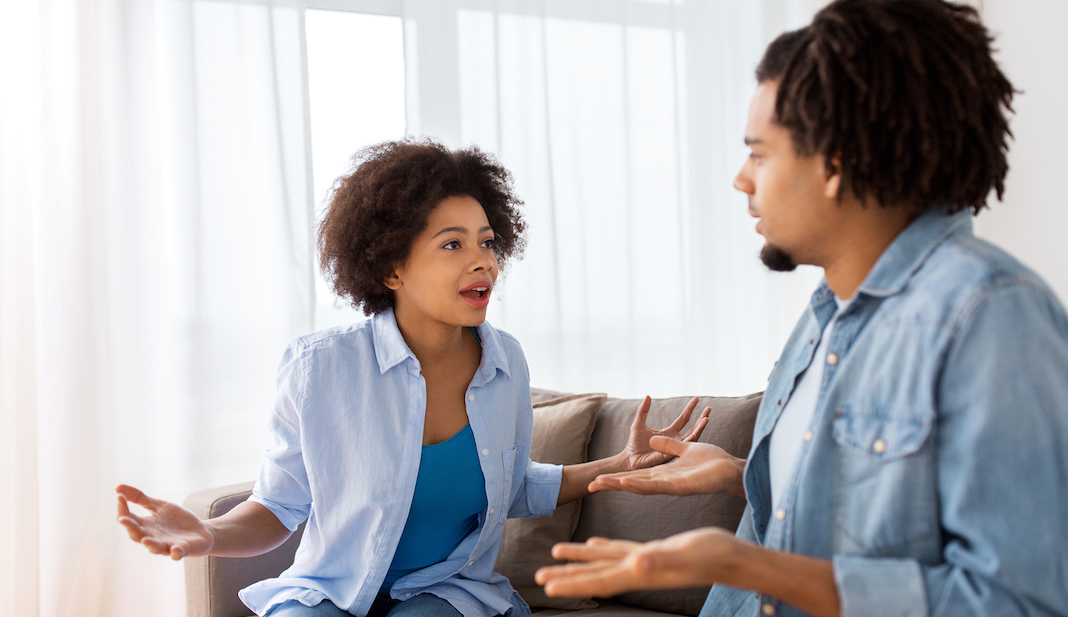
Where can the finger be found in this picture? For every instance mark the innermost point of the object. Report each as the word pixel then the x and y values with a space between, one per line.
pixel 137 496
pixel 615 482
pixel 124 509
pixel 698 428
pixel 179 550
pixel 602 582
pixel 643 411
pixel 597 551
pixel 684 417
pixel 667 445
pixel 547 573
pixel 133 528
pixel 647 486
pixel 155 547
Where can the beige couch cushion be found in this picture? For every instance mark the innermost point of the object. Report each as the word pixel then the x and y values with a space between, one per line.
pixel 644 518
pixel 562 428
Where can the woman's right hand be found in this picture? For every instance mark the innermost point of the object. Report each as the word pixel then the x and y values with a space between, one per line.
pixel 167 529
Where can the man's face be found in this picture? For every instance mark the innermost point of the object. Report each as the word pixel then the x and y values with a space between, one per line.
pixel 793 196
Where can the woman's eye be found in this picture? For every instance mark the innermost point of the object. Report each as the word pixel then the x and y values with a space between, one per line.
pixel 488 243
pixel 452 246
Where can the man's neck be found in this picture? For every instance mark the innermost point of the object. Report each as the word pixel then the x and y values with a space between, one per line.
pixel 863 240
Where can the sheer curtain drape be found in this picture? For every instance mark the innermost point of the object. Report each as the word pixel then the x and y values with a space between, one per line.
pixel 623 123
pixel 157 227
pixel 156 260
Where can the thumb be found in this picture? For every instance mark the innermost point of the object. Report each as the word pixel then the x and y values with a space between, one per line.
pixel 667 445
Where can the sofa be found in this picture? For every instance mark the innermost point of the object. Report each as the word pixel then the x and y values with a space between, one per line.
pixel 568 429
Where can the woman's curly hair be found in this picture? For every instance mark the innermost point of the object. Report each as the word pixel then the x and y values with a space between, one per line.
pixel 902 97
pixel 376 211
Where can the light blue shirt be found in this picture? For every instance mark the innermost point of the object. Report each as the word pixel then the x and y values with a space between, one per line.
pixel 936 476
pixel 347 436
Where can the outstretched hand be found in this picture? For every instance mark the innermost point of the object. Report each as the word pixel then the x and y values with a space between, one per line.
pixel 695 558
pixel 167 529
pixel 698 468
pixel 639 452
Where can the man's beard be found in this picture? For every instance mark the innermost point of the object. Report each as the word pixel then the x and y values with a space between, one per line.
pixel 776 259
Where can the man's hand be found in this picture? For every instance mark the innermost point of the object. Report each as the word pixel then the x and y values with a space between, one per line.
pixel 640 454
pixel 698 469
pixel 692 559
pixel 167 529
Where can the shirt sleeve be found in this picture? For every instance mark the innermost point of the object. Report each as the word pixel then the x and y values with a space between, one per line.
pixel 539 492
pixel 1002 472
pixel 283 486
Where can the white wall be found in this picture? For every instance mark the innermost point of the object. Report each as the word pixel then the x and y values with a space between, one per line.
pixel 1032 222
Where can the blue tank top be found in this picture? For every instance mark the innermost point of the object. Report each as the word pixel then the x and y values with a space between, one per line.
pixel 450 492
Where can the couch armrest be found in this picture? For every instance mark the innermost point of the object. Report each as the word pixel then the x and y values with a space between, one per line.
pixel 212 583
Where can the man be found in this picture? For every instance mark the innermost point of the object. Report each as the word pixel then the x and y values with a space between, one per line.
pixel 910 455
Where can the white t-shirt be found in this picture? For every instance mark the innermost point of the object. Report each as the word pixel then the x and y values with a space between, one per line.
pixel 796 418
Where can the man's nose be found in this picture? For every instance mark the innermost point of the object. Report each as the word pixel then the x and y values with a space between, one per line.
pixel 742 181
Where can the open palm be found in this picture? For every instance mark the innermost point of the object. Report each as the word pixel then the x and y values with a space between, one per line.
pixel 698 469
pixel 166 529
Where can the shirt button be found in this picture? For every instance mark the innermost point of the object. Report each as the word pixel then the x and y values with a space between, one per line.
pixel 491 510
pixel 832 359
pixel 780 514
pixel 407 595
pixel 879 446
pixel 470 397
pixel 768 609
pixel 470 563
pixel 808 435
pixel 485 451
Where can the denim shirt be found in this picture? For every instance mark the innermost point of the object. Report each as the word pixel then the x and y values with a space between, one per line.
pixel 347 437
pixel 935 472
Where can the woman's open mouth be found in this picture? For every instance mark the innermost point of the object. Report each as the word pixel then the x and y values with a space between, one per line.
pixel 477 294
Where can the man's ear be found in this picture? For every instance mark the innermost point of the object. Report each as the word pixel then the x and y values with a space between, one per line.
pixel 833 179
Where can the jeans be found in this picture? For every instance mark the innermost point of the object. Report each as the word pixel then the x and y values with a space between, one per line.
pixel 422 605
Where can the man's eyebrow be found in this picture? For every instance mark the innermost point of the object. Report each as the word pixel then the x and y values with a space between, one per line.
pixel 461 230
pixel 752 140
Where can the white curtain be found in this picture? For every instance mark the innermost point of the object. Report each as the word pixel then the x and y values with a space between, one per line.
pixel 157 219
pixel 156 229
pixel 623 123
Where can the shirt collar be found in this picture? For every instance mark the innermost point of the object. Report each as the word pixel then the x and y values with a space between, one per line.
pixel 911 248
pixel 391 350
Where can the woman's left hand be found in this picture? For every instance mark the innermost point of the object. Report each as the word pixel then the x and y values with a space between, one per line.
pixel 639 454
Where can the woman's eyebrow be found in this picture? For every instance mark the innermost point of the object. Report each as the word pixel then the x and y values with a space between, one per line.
pixel 460 230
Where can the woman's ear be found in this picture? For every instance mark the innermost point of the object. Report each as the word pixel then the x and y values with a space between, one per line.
pixel 393 281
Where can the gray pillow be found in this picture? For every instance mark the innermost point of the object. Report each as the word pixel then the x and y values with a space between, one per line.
pixel 620 515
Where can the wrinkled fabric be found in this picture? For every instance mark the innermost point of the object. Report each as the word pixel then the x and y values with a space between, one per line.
pixel 347 437
pixel 937 473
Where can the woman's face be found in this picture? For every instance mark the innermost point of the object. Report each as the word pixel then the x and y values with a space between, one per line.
pixel 449 273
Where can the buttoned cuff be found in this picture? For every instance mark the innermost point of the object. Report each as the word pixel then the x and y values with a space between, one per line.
pixel 880 587
pixel 543 488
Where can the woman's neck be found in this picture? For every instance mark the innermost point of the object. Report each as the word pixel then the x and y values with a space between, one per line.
pixel 430 341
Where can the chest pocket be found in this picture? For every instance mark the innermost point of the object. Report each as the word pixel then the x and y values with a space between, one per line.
pixel 886 487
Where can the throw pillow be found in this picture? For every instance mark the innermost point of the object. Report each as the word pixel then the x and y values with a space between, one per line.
pixel 562 429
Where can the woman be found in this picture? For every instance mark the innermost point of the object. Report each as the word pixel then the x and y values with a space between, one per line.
pixel 404 440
